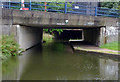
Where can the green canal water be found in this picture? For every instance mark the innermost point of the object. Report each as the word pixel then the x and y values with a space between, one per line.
pixel 57 61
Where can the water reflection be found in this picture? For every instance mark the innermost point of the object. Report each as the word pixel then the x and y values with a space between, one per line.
pixel 9 69
pixel 109 69
pixel 53 63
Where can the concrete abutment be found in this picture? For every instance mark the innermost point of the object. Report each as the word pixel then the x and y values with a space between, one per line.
pixel 26 37
pixel 101 36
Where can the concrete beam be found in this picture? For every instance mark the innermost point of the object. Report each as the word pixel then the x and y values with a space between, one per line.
pixel 41 18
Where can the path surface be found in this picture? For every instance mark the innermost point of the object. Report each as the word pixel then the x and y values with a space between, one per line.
pixel 92 48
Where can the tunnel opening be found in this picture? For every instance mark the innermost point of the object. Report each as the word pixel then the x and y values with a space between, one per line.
pixel 78 36
pixel 70 35
pixel 92 36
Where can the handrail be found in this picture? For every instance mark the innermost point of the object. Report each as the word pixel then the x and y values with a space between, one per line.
pixel 64 8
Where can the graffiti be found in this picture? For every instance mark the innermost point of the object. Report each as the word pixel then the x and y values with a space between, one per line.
pixel 111 31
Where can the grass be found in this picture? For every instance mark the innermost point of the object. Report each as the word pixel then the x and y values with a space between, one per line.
pixel 112 46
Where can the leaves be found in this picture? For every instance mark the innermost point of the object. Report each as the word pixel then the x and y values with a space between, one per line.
pixel 52 30
pixel 9 47
pixel 111 5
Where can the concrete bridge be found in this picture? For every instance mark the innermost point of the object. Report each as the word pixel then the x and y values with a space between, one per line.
pixel 27 26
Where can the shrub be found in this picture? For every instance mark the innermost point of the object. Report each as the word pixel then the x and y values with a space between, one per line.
pixel 9 47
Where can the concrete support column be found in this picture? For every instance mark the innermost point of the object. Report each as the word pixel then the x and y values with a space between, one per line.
pixel 28 36
pixel 103 36
pixel 112 33
pixel 25 36
pixel 108 34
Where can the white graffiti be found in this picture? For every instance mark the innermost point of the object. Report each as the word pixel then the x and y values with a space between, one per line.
pixel 112 31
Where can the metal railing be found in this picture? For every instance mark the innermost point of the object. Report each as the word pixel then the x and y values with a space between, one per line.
pixel 67 7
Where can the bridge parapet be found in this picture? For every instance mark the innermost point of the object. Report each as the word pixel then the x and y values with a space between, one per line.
pixel 40 18
pixel 63 7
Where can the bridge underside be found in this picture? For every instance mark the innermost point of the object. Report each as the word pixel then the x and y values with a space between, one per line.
pixel 91 34
pixel 62 26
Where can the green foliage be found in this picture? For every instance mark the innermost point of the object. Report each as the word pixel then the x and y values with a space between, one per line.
pixel 58 30
pixel 9 47
pixel 52 30
pixel 45 30
pixel 52 6
pixel 111 5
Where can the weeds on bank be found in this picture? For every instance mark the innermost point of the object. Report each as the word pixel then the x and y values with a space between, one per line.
pixel 9 47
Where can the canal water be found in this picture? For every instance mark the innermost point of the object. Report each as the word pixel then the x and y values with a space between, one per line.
pixel 57 61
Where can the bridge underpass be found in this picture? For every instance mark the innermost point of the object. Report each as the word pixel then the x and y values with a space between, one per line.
pixel 83 35
pixel 28 28
pixel 69 35
pixel 80 36
pixel 28 36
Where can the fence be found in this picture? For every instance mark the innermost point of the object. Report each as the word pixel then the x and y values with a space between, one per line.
pixel 66 7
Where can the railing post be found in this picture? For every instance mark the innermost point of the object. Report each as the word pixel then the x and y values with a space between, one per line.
pixel 95 11
pixel 45 6
pixel 30 5
pixel 65 7
pixel 9 4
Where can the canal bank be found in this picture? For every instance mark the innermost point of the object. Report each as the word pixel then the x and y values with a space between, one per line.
pixel 77 46
pixel 94 49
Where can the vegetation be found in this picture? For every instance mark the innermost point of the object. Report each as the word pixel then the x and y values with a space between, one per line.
pixel 47 37
pixel 51 6
pixel 111 46
pixel 111 5
pixel 9 47
pixel 52 30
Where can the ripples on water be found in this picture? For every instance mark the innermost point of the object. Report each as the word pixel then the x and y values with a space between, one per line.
pixel 57 61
